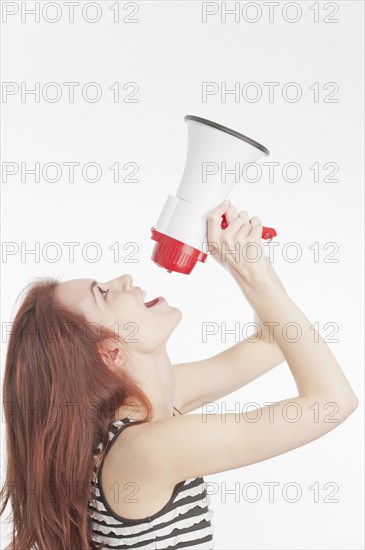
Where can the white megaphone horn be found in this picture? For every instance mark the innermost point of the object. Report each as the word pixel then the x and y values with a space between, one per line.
pixel 213 166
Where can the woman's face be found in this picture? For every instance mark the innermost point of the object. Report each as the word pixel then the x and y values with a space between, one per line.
pixel 119 305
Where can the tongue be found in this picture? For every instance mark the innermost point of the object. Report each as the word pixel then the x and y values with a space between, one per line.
pixel 151 303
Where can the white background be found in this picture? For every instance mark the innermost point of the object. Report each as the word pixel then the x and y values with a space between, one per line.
pixel 169 52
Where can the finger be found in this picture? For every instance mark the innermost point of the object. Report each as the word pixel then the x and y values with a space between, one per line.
pixel 243 214
pixel 231 214
pixel 236 225
pixel 256 227
pixel 256 231
pixel 255 220
pixel 245 229
pixel 241 224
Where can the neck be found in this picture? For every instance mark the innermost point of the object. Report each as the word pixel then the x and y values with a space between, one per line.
pixel 153 374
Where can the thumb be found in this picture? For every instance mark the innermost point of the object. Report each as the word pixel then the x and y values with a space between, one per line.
pixel 214 222
pixel 219 210
pixel 215 215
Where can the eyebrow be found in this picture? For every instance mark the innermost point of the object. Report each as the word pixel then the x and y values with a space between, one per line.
pixel 93 284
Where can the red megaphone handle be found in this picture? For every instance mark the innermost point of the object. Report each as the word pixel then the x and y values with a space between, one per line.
pixel 267 232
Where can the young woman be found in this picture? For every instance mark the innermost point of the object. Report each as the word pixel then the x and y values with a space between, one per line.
pixel 96 457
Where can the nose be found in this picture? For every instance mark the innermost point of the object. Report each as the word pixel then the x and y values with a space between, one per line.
pixel 127 281
pixel 124 280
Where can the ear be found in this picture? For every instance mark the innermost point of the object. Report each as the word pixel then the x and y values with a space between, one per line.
pixel 112 355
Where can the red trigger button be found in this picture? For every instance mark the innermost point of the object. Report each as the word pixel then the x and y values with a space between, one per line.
pixel 224 222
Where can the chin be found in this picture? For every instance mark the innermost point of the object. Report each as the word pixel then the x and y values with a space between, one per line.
pixel 179 312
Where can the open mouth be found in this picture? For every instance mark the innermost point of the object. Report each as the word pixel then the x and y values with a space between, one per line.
pixel 154 302
pixel 151 303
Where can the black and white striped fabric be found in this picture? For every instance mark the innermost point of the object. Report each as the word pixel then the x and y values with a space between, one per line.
pixel 183 523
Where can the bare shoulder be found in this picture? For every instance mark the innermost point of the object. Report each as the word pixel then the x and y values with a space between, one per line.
pixel 130 489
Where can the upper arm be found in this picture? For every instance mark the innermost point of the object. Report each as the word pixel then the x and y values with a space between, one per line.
pixel 212 378
pixel 194 445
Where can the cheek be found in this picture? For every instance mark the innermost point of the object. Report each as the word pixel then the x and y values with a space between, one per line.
pixel 141 327
pixel 126 317
pixel 92 316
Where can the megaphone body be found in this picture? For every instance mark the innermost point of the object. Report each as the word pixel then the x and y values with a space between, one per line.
pixel 214 164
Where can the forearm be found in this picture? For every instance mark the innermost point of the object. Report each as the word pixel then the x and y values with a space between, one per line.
pixel 267 335
pixel 264 333
pixel 314 367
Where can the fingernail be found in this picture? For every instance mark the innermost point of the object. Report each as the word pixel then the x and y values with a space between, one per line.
pixel 227 201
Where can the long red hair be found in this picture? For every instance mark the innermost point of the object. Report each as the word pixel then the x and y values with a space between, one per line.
pixel 59 399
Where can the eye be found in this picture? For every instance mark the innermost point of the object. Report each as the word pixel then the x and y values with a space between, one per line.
pixel 105 292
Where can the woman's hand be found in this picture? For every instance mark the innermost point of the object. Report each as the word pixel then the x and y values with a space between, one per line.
pixel 238 247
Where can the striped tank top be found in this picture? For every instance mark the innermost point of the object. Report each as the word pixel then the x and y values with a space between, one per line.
pixel 184 522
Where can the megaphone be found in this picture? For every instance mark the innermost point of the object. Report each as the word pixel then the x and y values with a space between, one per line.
pixel 215 158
